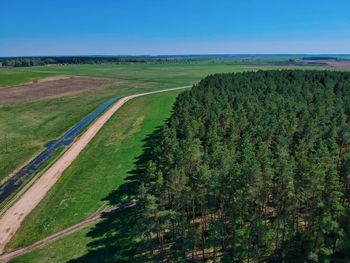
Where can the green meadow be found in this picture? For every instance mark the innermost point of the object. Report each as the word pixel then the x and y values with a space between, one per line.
pixel 60 250
pixel 170 73
pixel 26 127
pixel 13 76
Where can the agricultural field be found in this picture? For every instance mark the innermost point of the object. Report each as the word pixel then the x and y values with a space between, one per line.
pixel 26 127
pixel 169 73
pixel 10 76
pixel 52 87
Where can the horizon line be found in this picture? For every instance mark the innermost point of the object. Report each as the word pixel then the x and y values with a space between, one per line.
pixel 182 54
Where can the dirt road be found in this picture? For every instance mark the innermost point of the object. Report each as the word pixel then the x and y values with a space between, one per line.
pixel 11 220
pixel 70 230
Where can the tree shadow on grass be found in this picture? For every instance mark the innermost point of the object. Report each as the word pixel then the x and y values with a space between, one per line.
pixel 117 235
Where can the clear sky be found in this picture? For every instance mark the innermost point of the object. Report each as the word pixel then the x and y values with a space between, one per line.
pixel 114 27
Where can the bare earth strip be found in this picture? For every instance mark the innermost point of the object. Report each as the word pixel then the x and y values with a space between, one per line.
pixel 50 87
pixel 345 64
pixel 11 220
pixel 70 230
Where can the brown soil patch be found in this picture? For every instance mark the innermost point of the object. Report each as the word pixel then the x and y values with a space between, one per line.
pixel 50 87
pixel 339 64
pixel 331 63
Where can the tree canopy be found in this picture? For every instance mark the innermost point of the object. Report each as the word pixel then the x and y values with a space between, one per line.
pixel 40 61
pixel 252 167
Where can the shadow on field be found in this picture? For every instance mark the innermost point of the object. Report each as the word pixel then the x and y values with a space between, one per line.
pixel 116 237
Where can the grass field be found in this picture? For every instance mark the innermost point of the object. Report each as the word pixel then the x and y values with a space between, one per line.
pixel 167 73
pixel 58 251
pixel 10 76
pixel 170 73
pixel 25 128
pixel 100 168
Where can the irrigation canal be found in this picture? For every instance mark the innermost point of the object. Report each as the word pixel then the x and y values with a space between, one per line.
pixel 15 182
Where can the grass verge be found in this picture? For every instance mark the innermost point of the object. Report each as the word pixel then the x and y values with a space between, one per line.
pixel 60 250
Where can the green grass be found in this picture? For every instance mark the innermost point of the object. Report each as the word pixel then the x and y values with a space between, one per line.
pixel 175 73
pixel 60 250
pixel 165 73
pixel 99 169
pixel 29 126
pixel 13 76
pixel 169 73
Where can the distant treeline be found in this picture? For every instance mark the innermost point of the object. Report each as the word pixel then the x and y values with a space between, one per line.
pixel 323 58
pixel 40 61
pixel 242 59
pixel 252 167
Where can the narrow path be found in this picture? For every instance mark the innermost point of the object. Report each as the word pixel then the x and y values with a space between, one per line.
pixel 11 220
pixel 70 230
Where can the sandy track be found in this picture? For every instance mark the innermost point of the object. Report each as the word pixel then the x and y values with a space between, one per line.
pixel 70 230
pixel 49 239
pixel 11 220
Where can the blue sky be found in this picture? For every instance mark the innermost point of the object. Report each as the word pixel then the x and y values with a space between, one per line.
pixel 83 27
